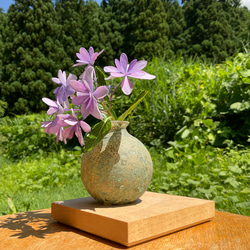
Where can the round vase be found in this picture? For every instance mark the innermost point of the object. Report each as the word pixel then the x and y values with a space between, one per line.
pixel 118 170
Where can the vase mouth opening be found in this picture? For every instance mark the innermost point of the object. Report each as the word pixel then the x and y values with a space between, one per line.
pixel 119 125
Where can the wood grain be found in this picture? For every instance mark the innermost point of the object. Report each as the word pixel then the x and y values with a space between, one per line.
pixel 37 230
pixel 151 216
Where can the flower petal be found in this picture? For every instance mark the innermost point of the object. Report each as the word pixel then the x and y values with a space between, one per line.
pixel 79 64
pixel 142 75
pixel 118 65
pixel 71 77
pixel 101 92
pixel 85 126
pixel 96 113
pixel 137 66
pixel 85 112
pixel 52 110
pixel 113 74
pixel 77 86
pixel 59 136
pixel 126 86
pixel 83 55
pixel 78 133
pixel 78 100
pixel 62 77
pixel 91 51
pixel 69 132
pixel 56 80
pixel 88 77
pixel 59 94
pixel 124 62
pixel 111 69
pixel 49 102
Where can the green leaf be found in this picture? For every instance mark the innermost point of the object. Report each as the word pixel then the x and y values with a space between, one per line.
pixel 193 182
pixel 100 76
pixel 209 123
pixel 175 144
pixel 206 191
pixel 11 205
pixel 96 134
pixel 232 182
pixel 235 169
pixel 185 133
pixel 245 205
pixel 128 111
pixel 240 106
pixel 245 190
pixel 113 113
pixel 223 173
pixel 245 73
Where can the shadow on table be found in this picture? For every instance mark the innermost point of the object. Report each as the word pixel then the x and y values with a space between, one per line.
pixel 40 224
pixel 32 223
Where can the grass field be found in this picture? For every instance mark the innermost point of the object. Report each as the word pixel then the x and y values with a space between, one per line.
pixel 35 184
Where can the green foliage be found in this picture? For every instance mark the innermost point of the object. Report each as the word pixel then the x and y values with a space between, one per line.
pixel 3 107
pixel 150 30
pixel 214 29
pixel 191 168
pixel 37 38
pixel 23 136
pixel 34 184
pixel 195 116
pixel 177 24
pixel 115 29
pixel 97 133
pixel 2 31
pixel 191 93
pixel 32 55
pixel 123 116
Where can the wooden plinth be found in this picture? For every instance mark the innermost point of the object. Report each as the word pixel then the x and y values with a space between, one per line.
pixel 151 216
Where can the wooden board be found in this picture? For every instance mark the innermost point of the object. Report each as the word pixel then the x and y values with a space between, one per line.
pixel 151 216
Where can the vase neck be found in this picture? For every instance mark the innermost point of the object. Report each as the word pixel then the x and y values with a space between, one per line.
pixel 116 125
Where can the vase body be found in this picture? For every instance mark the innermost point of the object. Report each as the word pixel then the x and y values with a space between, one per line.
pixel 119 169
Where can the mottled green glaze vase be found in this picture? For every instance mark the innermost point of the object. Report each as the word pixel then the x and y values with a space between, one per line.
pixel 119 169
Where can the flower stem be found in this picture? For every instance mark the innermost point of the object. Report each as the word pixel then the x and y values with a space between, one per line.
pixel 107 110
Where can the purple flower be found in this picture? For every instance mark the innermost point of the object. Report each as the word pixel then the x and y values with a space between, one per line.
pixel 64 90
pixel 74 126
pixel 54 106
pixel 86 96
pixel 51 127
pixel 123 69
pixel 86 57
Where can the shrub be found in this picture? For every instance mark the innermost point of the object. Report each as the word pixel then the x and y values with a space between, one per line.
pixel 22 136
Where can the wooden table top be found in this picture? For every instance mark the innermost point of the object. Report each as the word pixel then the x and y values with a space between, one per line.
pixel 37 230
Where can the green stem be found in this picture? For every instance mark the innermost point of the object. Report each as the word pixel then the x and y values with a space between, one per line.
pixel 108 110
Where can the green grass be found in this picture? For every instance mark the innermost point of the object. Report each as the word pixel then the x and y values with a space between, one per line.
pixel 34 184
pixel 212 174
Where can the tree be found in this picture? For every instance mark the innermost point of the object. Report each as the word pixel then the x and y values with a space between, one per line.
pixel 70 15
pixel 176 22
pixel 114 29
pixel 2 28
pixel 91 23
pixel 239 21
pixel 3 105
pixel 32 55
pixel 149 30
pixel 209 33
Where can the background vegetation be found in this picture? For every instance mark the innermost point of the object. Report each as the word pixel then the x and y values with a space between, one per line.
pixel 198 140
pixel 39 37
pixel 195 119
